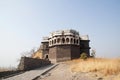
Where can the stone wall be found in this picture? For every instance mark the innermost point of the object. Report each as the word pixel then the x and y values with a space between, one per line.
pixel 75 51
pixel 63 53
pixel 27 63
pixel 60 53
pixel 52 54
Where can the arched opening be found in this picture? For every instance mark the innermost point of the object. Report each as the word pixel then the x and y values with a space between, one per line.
pixel 67 40
pixel 77 41
pixel 74 41
pixel 52 41
pixel 71 40
pixel 46 57
pixel 63 40
pixel 55 41
pixel 58 40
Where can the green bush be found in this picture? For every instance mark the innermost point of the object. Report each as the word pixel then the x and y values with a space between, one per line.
pixel 83 56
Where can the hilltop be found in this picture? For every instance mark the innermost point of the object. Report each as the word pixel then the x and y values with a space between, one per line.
pixel 90 69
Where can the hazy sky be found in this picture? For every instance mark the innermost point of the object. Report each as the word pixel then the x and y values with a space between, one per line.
pixel 23 23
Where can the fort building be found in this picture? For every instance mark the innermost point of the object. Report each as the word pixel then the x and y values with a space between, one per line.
pixel 64 45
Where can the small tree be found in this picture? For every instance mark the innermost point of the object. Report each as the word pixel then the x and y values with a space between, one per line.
pixel 83 56
pixel 28 53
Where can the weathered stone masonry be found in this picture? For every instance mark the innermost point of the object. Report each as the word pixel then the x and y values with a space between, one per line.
pixel 27 63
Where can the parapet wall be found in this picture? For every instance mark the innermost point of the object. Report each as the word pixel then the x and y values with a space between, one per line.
pixel 27 63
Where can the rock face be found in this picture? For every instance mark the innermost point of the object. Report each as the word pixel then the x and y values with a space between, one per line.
pixel 27 63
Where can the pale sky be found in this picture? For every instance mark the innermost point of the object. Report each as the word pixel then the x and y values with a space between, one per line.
pixel 23 23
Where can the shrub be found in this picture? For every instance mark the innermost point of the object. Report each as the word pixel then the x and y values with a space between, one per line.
pixel 83 56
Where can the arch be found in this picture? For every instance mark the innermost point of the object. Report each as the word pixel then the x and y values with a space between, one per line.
pixel 50 43
pixel 67 40
pixel 71 40
pixel 63 40
pixel 46 57
pixel 77 41
pixel 54 41
pixel 58 40
pixel 74 41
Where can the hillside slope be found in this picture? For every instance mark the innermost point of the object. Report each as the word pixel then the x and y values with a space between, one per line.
pixel 79 70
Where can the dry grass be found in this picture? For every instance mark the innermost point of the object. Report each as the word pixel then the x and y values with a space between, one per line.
pixel 117 77
pixel 3 69
pixel 102 65
pixel 7 69
pixel 38 55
